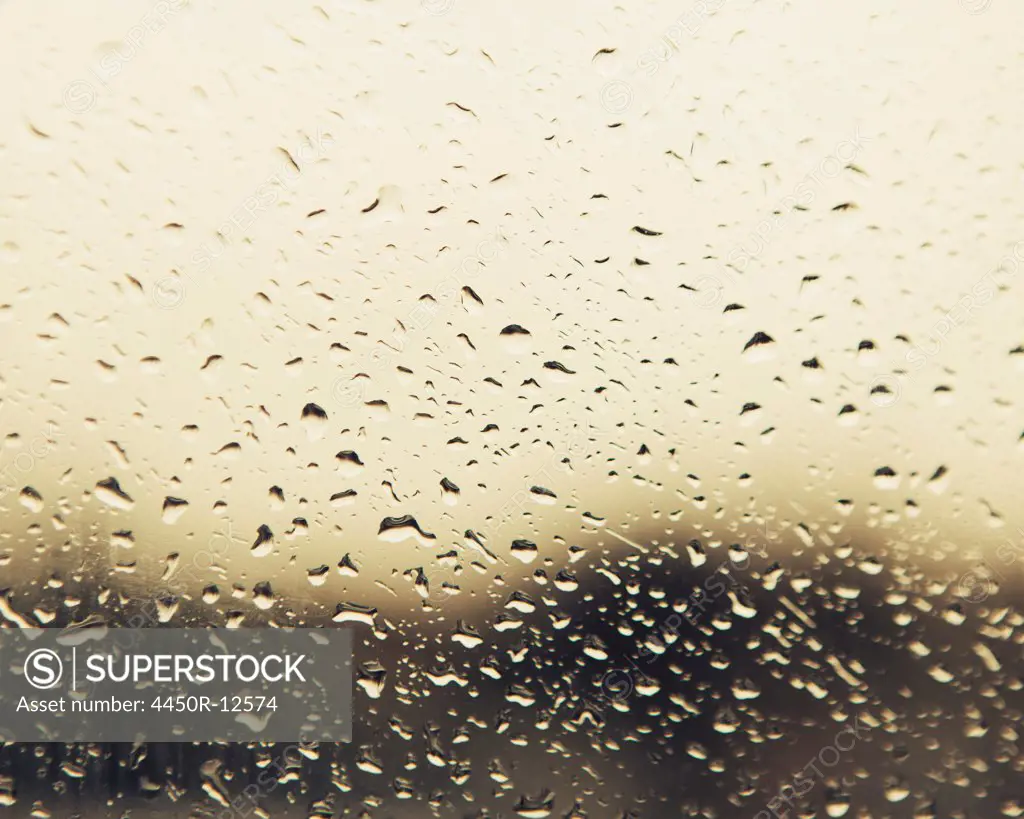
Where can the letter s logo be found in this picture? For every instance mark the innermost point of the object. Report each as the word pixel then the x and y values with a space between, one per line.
pixel 43 668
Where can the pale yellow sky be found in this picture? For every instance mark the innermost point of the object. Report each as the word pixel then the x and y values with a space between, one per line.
pixel 535 141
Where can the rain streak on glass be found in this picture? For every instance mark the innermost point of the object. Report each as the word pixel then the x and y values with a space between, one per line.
pixel 641 386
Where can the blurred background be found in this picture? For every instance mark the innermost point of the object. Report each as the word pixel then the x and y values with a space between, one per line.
pixel 640 383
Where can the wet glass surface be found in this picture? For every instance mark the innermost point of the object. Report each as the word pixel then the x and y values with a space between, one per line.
pixel 641 383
